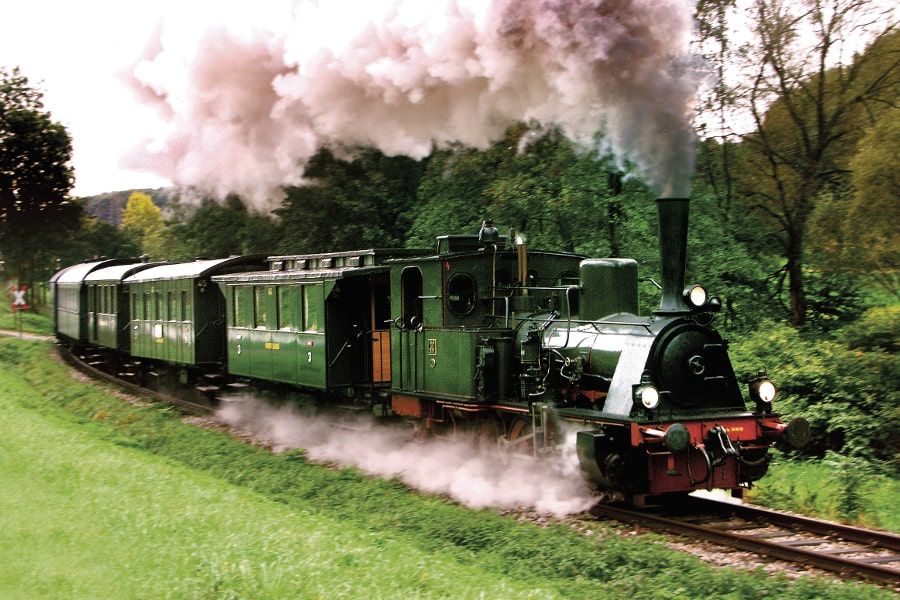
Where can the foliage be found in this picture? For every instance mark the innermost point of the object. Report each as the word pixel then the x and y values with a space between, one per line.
pixel 350 204
pixel 849 397
pixel 860 233
pixel 535 182
pixel 877 329
pixel 35 178
pixel 142 222
pixel 548 561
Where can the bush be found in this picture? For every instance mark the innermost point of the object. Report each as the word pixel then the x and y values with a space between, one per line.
pixel 849 396
pixel 877 329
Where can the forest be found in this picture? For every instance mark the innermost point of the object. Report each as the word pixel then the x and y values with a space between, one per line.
pixel 794 219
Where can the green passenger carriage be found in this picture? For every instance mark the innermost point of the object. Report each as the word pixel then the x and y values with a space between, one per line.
pixel 176 311
pixel 318 321
pixel 70 298
pixel 108 308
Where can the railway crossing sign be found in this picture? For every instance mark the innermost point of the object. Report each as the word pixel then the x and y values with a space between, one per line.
pixel 18 294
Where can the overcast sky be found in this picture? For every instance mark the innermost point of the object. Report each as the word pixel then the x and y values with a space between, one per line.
pixel 73 51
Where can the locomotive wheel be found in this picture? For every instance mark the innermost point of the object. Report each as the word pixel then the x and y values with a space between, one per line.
pixel 483 432
pixel 519 438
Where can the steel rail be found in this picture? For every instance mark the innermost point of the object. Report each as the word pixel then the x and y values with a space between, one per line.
pixel 827 561
pixel 849 533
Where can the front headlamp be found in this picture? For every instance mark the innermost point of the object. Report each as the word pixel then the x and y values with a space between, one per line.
pixel 695 296
pixel 649 396
pixel 762 389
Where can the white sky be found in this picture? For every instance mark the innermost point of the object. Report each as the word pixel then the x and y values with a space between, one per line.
pixel 72 50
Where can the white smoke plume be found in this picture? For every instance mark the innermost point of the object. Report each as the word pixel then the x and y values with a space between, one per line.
pixel 252 96
pixel 474 477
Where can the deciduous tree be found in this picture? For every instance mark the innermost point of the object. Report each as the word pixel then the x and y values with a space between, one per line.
pixel 35 180
pixel 809 97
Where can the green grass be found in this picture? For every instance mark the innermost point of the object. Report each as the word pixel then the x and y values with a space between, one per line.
pixel 82 518
pixel 113 498
pixel 31 322
pixel 836 488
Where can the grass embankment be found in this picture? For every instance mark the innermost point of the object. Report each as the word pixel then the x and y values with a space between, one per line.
pixel 837 488
pixel 113 500
pixel 31 322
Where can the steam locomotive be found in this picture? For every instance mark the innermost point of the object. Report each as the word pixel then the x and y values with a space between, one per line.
pixel 482 337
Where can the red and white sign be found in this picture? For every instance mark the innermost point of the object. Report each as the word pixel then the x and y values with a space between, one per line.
pixel 18 294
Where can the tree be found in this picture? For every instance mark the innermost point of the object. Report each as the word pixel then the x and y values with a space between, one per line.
pixel 808 105
pixel 872 227
pixel 536 182
pixel 351 204
pixel 859 233
pixel 35 180
pixel 142 220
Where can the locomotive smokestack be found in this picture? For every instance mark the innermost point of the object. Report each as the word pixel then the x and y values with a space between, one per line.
pixel 673 224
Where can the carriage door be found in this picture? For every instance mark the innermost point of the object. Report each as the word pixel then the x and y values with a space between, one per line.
pixel 411 339
pixel 381 330
pixel 93 309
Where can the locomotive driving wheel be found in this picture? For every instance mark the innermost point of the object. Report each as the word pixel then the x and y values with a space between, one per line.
pixel 482 432
pixel 519 437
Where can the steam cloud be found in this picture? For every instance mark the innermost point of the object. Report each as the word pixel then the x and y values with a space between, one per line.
pixel 250 99
pixel 473 477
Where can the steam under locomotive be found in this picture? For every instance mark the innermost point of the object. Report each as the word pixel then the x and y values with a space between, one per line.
pixel 482 337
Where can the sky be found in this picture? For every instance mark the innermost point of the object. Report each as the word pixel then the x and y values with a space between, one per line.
pixel 73 52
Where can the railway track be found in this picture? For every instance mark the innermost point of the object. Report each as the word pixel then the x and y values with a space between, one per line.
pixel 83 364
pixel 850 551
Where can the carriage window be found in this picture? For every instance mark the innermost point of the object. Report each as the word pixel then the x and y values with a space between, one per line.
pixel 243 306
pixel 134 307
pixel 157 306
pixel 461 294
pixel 411 287
pixel 146 314
pixel 261 305
pixel 184 306
pixel 310 308
pixel 286 302
pixel 170 306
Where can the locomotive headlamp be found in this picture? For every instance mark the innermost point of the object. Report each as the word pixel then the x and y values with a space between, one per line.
pixel 695 295
pixel 767 391
pixel 649 396
pixel 762 389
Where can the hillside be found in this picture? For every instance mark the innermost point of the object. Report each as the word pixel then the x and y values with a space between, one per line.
pixel 109 206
